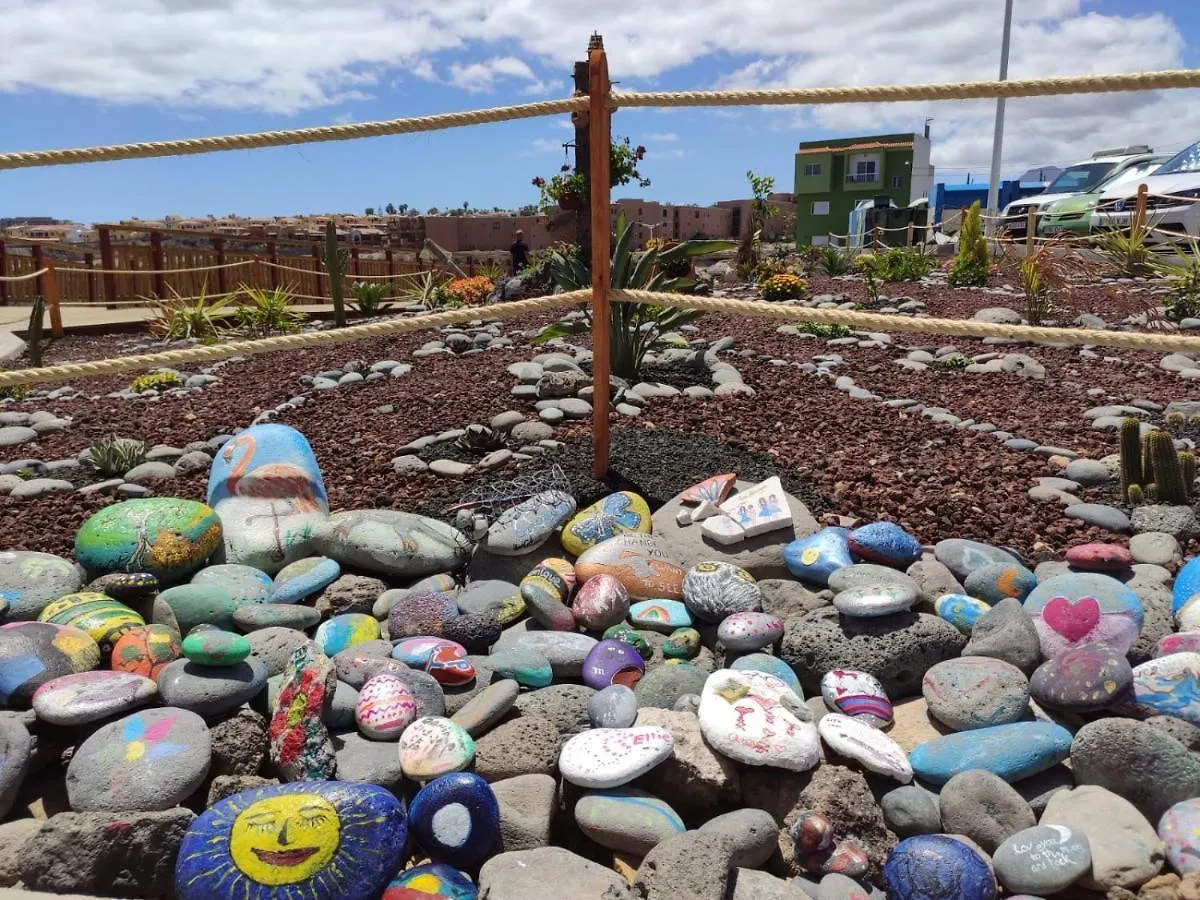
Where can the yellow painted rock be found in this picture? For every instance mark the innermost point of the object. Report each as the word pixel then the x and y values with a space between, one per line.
pixel 102 617
pixel 621 513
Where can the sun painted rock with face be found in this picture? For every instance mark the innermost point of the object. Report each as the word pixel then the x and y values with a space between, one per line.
pixel 294 842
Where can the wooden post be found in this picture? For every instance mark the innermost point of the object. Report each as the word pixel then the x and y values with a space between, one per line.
pixel 912 231
pixel 273 273
pixel 219 250
pixel 3 273
pixel 89 260
pixel 36 252
pixel 156 263
pixel 599 125
pixel 107 263
pixel 354 268
pixel 387 254
pixel 1030 229
pixel 1139 216
pixel 583 142
pixel 50 295
pixel 876 238
pixel 319 291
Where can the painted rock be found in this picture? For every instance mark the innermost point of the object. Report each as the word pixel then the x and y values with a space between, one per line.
pixel 620 513
pixel 346 631
pixel 1076 609
pixel 1013 751
pixel 937 867
pixel 432 881
pixel 210 690
pixel 294 842
pixel 631 637
pixel 756 719
pixel 256 616
pixel 500 598
pixel 421 613
pixel 846 859
pixel 962 556
pixel 433 746
pixel 993 582
pixel 444 660
pixel 1188 616
pixel 1100 556
pixel 744 632
pixel 1179 829
pixel 384 708
pixel 858 695
pixel 602 602
pixel 627 820
pixel 611 757
pixel 201 604
pixel 90 696
pixel 300 743
pixel 660 615
pixel 266 487
pixel 545 591
pixel 638 561
pixel 392 543
pixel 960 610
pixel 146 651
pixel 525 527
pixel 723 530
pixel 975 692
pixel 1082 679
pixel 814 558
pixel 868 602
pixel 715 590
pixel 525 666
pixel 103 618
pixel 1186 585
pixel 885 543
pixel 713 490
pixel 868 746
pixel 1167 686
pixel 1044 859
pixel 216 648
pixel 811 833
pixel 456 819
pixel 303 578
pixel 1182 642
pixel 684 643
pixel 612 662
pixel 771 665
pixel 28 581
pixel 33 653
pixel 246 584
pixel 167 537
pixel 128 587
pixel 759 509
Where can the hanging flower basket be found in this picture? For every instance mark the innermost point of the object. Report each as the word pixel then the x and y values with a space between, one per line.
pixel 570 201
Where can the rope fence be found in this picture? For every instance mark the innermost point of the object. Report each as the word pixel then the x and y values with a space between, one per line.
pixel 231 265
pixel 26 277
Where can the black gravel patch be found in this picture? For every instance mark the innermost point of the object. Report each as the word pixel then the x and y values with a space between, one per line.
pixel 678 374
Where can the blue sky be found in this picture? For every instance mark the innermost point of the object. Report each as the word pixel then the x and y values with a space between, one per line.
pixel 78 73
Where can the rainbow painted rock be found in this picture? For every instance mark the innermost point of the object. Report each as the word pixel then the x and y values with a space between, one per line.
pixel 714 490
pixel 545 591
pixel 294 842
pixel 1073 610
pixel 29 580
pixel 444 660
pixel 744 632
pixel 885 543
pixel 384 708
pixel 91 696
pixel 456 819
pixel 639 561
pixel 346 631
pixel 660 615
pixel 432 881
pixel 859 695
pixel 216 648
pixel 621 513
pixel 146 651
pixel 601 602
pixel 300 743
pixel 1100 556
pixel 103 618
pixel 165 536
pixel 33 653
pixel 612 662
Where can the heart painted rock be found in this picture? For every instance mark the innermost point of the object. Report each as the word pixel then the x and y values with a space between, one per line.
pixel 612 662
pixel 456 819
pixel 756 719
pixel 445 660
pixel 858 695
pixel 602 602
pixel 713 490
pixel 885 543
pixel 1073 619
pixel 639 562
pixel 814 558
pixel 384 708
pixel 610 757
pixel 868 746
pixel 1084 608
pixel 621 513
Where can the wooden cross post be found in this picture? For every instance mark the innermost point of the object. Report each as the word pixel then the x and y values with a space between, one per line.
pixel 599 126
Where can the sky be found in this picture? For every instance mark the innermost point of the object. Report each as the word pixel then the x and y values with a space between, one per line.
pixel 84 72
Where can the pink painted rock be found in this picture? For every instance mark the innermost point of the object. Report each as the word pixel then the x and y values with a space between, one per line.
pixel 445 660
pixel 713 490
pixel 602 602
pixel 1183 642
pixel 1100 556
pixel 385 707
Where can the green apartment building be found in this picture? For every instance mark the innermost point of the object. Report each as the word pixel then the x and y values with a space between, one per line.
pixel 832 176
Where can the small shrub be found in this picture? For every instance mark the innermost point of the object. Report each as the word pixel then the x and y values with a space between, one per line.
pixel 783 287
pixel 179 318
pixel 1044 275
pixel 14 392
pixel 369 297
pixel 1183 301
pixel 114 456
pixel 834 261
pixel 269 311
pixel 903 264
pixel 470 291
pixel 155 381
pixel 822 330
pixel 810 259
pixel 953 361
pixel 970 266
pixel 1128 251
pixel 867 264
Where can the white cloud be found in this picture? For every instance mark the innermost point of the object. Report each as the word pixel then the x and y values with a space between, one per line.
pixel 546 145
pixel 665 137
pixel 480 77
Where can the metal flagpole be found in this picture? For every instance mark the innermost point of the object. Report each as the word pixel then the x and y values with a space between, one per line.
pixel 998 133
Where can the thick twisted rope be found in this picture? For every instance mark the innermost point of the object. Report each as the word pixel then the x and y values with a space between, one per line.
pixel 26 277
pixel 231 265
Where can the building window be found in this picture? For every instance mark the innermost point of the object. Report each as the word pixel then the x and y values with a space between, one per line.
pixel 819 208
pixel 811 169
pixel 863 169
pixel 897 182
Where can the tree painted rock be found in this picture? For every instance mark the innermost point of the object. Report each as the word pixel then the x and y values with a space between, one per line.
pixel 638 561
pixel 303 578
pixel 456 819
pixel 814 558
pixel 433 746
pixel 960 610
pixel 29 581
pixel 621 513
pixel 444 660
pixel 771 665
pixel 294 842
pixel 167 537
pixel 103 618
pixel 684 643
pixel 436 881
pixel 868 746
pixel 1013 751
pixel 346 631
pixel 937 867
pixel 545 591
pixel 1166 686
pixel 744 632
pixel 392 543
pixel 858 695
pixel 300 743
pixel 756 719
pixel 90 696
pixel 1100 556
pixel 612 662
pixel 384 708
pixel 611 757
pixel 602 602
pixel 660 615
pixel 33 653
pixel 993 582
pixel 715 590
pixel 1082 679
pixel 146 651
pixel 885 543
pixel 528 525
pixel 1076 609
pixel 759 509
pixel 712 490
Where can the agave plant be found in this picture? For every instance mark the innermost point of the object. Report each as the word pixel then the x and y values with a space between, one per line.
pixel 370 296
pixel 178 318
pixel 635 328
pixel 480 439
pixel 114 456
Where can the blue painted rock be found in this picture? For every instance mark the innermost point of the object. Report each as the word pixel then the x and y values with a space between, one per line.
pixel 1166 686
pixel 713 490
pixel 1076 609
pixel 684 643
pixel 627 820
pixel 384 708
pixel 545 591
pixel 993 582
pixel 1187 584
pixel 1013 751
pixel 602 602
pixel 975 692
pixel 421 612
pixel 246 584
pixel 1044 859
pixel 28 581
pixel 870 601
pixel 445 660
pixel 201 604
pixel 346 631
pixel 858 695
pixel 103 618
pixel 660 615
pixel 1179 829
pixel 814 558
pixel 771 665
pixel 432 881
pixel 256 616
pixel 611 757
pixel 621 513
pixel 303 578
pixel 885 543
pixel 90 696
pixel 638 561
pixel 715 590
pixel 1099 556
pixel 744 632
pixel 960 610
pixel 937 867
pixel 433 746
pixel 167 537
pixel 612 662
pixel 300 743
pixel 33 653
pixel 146 651
pixel 216 648
pixel 267 488
pixel 456 819
pixel 962 557
pixel 1082 679
pixel 525 666
pixel 392 543
pixel 525 527
pixel 1181 642
pixel 294 842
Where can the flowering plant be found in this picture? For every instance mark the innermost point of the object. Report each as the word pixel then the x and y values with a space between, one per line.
pixel 571 187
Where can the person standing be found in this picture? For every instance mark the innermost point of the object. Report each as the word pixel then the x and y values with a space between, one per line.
pixel 519 251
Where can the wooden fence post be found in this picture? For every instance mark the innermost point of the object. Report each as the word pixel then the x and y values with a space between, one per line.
pixel 51 297
pixel 908 238
pixel 219 250
pixel 391 261
pixel 354 269
pixel 273 273
pixel 156 263
pixel 1031 218
pixel 319 291
pixel 107 263
pixel 1139 216
pixel 89 260
pixel 3 273
pixel 35 251
pixel 876 238
pixel 599 124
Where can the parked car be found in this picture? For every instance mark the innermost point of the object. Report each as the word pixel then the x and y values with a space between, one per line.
pixel 1073 215
pixel 1076 179
pixel 1169 204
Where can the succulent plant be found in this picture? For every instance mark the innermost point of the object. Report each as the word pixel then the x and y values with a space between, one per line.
pixel 1131 453
pixel 1174 422
pixel 1168 475
pixel 334 258
pixel 1135 495
pixel 114 456
pixel 33 338
pixel 1187 465
pixel 1152 493
pixel 155 381
pixel 480 439
pixel 1147 461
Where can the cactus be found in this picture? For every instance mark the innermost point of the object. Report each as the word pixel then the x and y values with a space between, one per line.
pixel 1167 473
pixel 1134 495
pixel 1152 493
pixel 1131 453
pixel 1187 464
pixel 1193 425
pixel 1174 423
pixel 334 258
pixel 34 336
pixel 1147 461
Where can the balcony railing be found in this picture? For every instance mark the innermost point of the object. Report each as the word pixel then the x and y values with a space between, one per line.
pixel 862 177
